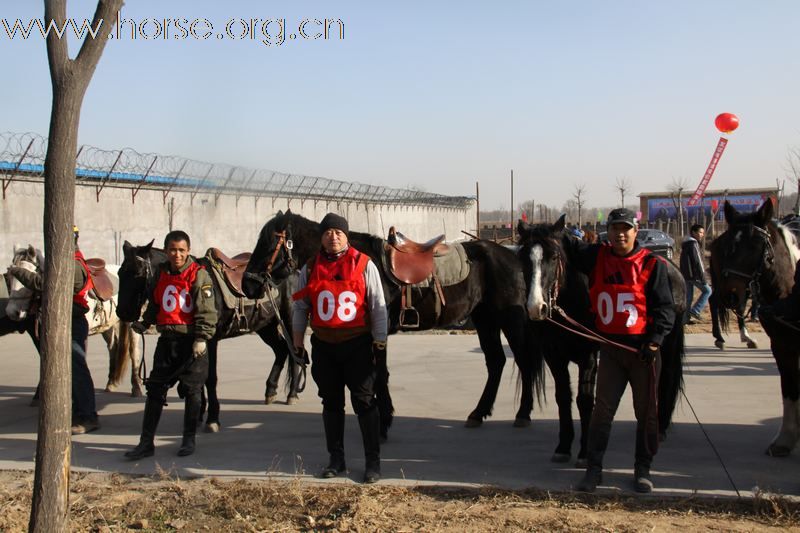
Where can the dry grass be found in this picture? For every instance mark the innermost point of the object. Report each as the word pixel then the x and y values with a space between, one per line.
pixel 112 502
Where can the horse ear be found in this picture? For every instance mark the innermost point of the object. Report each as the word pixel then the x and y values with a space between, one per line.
pixel 764 213
pixel 560 223
pixel 522 226
pixel 149 246
pixel 288 211
pixel 126 247
pixel 31 251
pixel 279 213
pixel 730 212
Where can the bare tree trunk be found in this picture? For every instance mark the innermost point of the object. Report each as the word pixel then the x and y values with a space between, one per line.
pixel 70 78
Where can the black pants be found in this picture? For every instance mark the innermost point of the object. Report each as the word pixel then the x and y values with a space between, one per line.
pixel 83 404
pixel 173 362
pixel 349 363
pixel 616 369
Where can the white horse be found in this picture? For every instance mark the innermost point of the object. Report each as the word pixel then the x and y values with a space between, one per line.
pixel 121 341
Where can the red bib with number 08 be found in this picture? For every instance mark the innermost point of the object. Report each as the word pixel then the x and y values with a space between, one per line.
pixel 173 294
pixel 337 291
pixel 618 292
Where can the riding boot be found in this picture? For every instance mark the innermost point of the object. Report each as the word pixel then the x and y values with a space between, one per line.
pixel 272 384
pixel 190 414
pixel 296 372
pixel 152 414
pixel 334 438
pixel 370 422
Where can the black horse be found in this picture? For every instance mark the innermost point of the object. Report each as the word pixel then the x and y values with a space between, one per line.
pixel 758 255
pixel 137 279
pixel 492 295
pixel 553 284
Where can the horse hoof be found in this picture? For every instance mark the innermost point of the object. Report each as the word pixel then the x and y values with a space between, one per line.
pixel 110 387
pixel 776 450
pixel 473 423
pixel 720 344
pixel 521 422
pixel 581 463
pixel 269 398
pixel 136 393
pixel 291 400
pixel 753 345
pixel 213 427
pixel 560 458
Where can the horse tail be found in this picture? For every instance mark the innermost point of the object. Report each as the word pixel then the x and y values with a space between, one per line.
pixel 670 384
pixel 124 348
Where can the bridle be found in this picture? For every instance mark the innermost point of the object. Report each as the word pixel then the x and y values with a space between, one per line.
pixel 767 259
pixel 283 241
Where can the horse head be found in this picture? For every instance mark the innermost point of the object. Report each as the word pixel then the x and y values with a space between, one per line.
pixel 752 255
pixel 543 264
pixel 20 298
pixel 272 258
pixel 136 277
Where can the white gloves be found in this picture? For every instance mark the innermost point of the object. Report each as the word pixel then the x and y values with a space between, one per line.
pixel 199 348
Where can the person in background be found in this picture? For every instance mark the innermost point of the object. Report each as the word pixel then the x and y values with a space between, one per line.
pixel 694 273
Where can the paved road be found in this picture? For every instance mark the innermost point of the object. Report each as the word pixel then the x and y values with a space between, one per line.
pixel 436 381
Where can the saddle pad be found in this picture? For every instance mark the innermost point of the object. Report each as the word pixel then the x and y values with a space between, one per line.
pixel 229 299
pixel 451 268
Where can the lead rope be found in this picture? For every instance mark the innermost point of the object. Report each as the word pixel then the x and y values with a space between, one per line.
pixel 298 359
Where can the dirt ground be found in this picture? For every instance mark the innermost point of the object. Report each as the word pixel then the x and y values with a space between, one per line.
pixel 111 502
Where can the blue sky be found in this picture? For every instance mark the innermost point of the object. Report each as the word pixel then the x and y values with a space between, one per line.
pixel 441 95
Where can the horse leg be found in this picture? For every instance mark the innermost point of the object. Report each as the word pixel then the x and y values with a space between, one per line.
pixel 513 326
pixel 269 334
pixel 495 357
pixel 212 419
pixel 113 345
pixel 719 340
pixel 566 432
pixel 786 358
pixel 744 335
pixel 587 379
pixel 135 355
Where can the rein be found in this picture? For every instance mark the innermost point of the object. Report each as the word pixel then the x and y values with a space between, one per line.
pixel 300 360
pixel 767 258
pixel 285 243
pixel 579 329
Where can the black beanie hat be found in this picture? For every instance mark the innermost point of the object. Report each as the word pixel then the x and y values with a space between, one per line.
pixel 334 221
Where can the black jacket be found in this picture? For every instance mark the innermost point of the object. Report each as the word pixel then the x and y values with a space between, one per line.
pixel 660 304
pixel 692 261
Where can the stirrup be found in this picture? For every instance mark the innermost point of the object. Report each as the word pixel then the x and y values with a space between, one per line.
pixel 409 318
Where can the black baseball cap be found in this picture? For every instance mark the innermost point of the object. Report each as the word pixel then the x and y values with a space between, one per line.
pixel 622 215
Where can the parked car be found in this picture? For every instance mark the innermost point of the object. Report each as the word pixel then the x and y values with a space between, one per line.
pixel 654 240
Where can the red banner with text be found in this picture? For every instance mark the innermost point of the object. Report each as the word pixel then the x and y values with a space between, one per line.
pixel 712 166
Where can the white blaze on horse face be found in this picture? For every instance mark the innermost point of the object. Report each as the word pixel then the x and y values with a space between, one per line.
pixel 19 296
pixel 537 307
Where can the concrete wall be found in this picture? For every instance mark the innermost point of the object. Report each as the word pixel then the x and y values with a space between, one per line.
pixel 226 224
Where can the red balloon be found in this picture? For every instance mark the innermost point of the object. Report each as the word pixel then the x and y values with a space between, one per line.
pixel 726 122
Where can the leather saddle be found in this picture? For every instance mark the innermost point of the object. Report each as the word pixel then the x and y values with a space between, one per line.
pixel 412 262
pixel 232 268
pixel 101 278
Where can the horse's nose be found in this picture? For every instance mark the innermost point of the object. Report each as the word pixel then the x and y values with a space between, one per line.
pixel 537 312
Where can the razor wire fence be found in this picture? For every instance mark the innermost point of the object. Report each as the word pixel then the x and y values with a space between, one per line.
pixel 22 159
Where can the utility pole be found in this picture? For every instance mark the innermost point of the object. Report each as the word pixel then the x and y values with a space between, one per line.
pixel 511 224
pixel 477 210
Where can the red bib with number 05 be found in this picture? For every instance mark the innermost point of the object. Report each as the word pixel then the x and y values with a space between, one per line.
pixel 173 294
pixel 337 291
pixel 617 292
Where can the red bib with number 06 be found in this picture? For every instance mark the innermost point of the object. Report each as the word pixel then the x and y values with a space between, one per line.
pixel 337 291
pixel 173 294
pixel 617 292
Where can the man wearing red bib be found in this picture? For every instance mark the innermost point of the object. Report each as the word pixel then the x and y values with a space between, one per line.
pixel 84 410
pixel 183 309
pixel 632 303
pixel 342 292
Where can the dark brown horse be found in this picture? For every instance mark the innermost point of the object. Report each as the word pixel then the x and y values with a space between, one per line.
pixel 492 295
pixel 758 256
